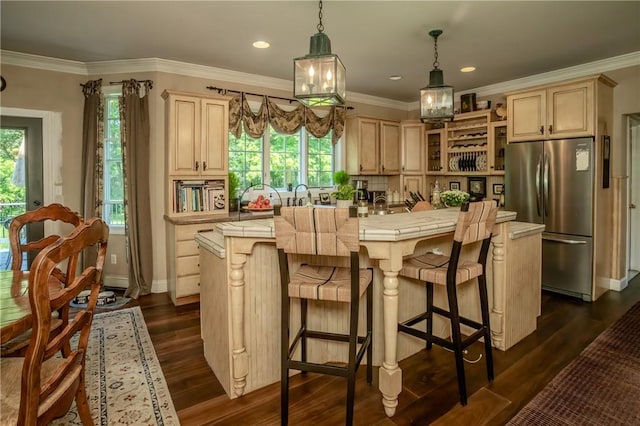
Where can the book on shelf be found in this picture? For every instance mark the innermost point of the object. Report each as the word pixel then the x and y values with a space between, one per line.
pixel 198 195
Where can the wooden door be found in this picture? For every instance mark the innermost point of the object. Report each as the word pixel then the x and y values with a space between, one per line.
pixel 570 110
pixel 368 146
pixel 215 130
pixel 389 148
pixel 184 135
pixel 413 148
pixel 413 183
pixel 526 116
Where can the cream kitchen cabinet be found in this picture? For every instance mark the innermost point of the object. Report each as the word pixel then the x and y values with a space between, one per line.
pixel 413 183
pixel 197 131
pixel 559 111
pixel 183 265
pixel 372 146
pixel 436 143
pixel 412 147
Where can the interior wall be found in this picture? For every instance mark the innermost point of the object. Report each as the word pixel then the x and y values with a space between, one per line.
pixel 31 88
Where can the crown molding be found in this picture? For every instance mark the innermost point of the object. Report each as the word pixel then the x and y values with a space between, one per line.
pixel 220 74
pixel 617 62
pixel 42 62
pixel 590 68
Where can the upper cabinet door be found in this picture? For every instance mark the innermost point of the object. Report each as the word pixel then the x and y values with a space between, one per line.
pixel 184 135
pixel 215 128
pixel 389 148
pixel 413 148
pixel 526 116
pixel 570 110
pixel 368 146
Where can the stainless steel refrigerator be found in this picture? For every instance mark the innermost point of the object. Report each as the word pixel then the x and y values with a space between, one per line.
pixel 552 182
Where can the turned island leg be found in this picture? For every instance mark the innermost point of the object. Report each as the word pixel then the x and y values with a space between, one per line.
pixel 499 283
pixel 239 353
pixel 390 373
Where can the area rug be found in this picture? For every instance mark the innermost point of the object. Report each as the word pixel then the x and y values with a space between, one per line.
pixel 600 387
pixel 125 384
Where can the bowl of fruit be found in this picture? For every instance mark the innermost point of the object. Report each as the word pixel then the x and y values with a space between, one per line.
pixel 260 204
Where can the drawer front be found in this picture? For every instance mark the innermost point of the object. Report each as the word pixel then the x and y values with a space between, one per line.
pixel 188 232
pixel 189 265
pixel 186 248
pixel 187 286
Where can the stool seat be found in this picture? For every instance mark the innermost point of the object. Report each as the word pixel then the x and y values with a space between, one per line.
pixel 433 268
pixel 326 283
pixel 475 224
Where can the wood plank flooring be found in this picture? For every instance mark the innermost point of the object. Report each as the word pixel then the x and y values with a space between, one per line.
pixel 430 392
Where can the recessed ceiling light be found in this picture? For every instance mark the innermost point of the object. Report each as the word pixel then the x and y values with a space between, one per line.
pixel 261 44
pixel 395 77
pixel 468 69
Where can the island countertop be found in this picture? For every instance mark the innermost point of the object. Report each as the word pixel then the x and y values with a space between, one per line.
pixel 395 227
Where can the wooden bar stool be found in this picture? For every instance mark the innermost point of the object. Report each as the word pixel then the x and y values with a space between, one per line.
pixel 475 223
pixel 328 233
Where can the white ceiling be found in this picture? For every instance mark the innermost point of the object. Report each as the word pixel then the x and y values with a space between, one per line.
pixel 374 39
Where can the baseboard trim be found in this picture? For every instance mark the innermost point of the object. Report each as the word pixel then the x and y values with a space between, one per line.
pixel 159 286
pixel 116 281
pixel 618 285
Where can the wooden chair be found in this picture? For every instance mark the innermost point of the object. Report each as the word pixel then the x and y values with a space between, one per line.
pixel 51 212
pixel 41 386
pixel 326 233
pixel 475 223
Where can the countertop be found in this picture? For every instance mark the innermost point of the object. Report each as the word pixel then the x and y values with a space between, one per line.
pixel 396 227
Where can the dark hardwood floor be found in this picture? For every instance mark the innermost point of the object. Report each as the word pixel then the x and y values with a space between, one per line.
pixel 430 393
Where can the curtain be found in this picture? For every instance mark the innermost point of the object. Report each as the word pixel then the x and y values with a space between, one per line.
pixel 134 118
pixel 287 122
pixel 92 148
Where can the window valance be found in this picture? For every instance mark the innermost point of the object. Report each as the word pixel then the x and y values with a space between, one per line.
pixel 281 120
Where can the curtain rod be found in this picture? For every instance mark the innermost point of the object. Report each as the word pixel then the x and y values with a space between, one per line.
pixel 221 90
pixel 124 81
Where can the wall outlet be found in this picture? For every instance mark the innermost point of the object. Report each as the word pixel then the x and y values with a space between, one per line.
pixel 114 259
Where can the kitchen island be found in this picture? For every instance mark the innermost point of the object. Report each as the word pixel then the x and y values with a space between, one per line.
pixel 240 294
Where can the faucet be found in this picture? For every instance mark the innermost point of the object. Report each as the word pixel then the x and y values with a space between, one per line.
pixel 295 194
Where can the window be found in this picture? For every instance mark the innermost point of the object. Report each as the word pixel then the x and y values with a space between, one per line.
pixel 245 159
pixel 113 191
pixel 291 159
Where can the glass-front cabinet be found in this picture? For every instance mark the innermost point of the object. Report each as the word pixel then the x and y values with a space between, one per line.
pixel 435 151
pixel 498 134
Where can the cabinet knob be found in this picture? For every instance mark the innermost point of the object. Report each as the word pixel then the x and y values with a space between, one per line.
pixel 204 165
pixel 542 130
pixel 550 128
pixel 382 167
pixel 360 167
pixel 197 165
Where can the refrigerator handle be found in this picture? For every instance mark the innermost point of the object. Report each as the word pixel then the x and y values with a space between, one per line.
pixel 545 184
pixel 563 240
pixel 538 195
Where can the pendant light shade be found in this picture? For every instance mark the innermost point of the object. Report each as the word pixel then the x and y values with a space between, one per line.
pixel 319 77
pixel 436 100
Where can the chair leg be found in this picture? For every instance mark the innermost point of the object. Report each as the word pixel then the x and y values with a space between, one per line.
pixel 484 307
pixel 456 337
pixel 429 343
pixel 351 374
pixel 284 360
pixel 82 403
pixel 370 333
pixel 303 325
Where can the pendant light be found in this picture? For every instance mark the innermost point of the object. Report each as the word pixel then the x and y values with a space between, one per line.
pixel 319 77
pixel 436 100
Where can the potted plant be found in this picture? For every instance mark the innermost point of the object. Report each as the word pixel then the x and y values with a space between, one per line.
pixel 344 190
pixel 234 183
